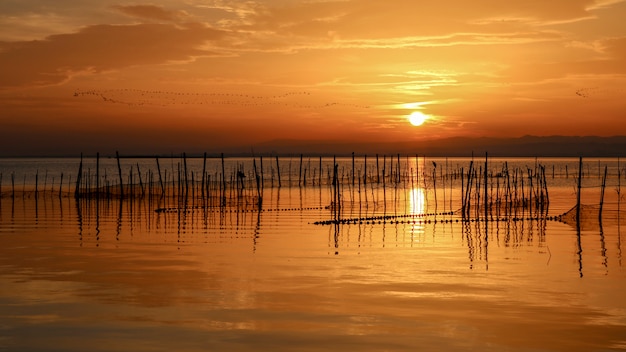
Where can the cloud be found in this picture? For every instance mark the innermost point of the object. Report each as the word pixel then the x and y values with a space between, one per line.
pixel 100 48
pixel 608 66
pixel 289 27
pixel 33 25
pixel 616 47
pixel 376 19
pixel 152 12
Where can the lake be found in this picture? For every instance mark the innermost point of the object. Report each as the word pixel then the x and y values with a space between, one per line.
pixel 373 255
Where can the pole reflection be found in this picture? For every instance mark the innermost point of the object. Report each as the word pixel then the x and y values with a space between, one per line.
pixel 411 224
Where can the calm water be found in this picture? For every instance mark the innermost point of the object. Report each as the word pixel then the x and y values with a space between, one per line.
pixel 111 275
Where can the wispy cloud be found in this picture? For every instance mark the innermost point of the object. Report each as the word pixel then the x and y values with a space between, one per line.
pixel 152 12
pixel 467 63
pixel 99 48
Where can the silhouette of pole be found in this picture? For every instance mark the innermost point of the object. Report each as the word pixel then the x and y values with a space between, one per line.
pixel 119 170
pixel 580 176
pixel 486 188
pixel 278 171
pixel 97 176
pixel 203 173
pixel 78 178
pixel 602 195
pixel 160 177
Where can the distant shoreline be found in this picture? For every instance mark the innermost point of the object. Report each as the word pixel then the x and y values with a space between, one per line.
pixel 527 146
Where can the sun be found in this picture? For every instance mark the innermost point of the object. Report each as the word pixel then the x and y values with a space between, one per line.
pixel 417 118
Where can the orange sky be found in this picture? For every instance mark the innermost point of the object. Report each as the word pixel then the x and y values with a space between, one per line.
pixel 191 75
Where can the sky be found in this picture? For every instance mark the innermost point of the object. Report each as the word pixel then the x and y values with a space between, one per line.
pixel 189 75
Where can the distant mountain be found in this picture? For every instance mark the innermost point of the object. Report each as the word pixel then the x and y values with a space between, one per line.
pixel 456 146
pixel 527 146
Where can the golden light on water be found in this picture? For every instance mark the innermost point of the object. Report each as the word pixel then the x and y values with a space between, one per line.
pixel 417 205
pixel 418 201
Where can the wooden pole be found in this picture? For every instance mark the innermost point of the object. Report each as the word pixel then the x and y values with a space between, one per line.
pixel 36 181
pixel 365 173
pixel 377 170
pixel 580 176
pixel 486 188
pixel 435 183
pixel 258 185
pixel 417 171
pixel 602 194
pixel 223 181
pixel 398 170
pixel 160 178
pixel 300 172
pixel 119 170
pixel 278 171
pixel 384 185
pixel 178 183
pixel 462 193
pixel 143 191
pixel 61 186
pixel 203 174
pixel 78 177
pixel 468 189
pixel 97 175
pixel 391 178
pixel 619 187
pixel 186 176
pixel 353 174
pixel 131 192
pixel 262 177
pixel 336 195
pixel 320 175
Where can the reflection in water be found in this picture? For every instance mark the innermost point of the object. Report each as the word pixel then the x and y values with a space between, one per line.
pixel 79 218
pixel 417 207
pixel 238 278
pixel 418 200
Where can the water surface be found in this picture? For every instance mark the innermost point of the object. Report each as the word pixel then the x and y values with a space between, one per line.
pixel 115 275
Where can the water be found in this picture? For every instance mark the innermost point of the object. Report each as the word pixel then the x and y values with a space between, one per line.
pixel 111 275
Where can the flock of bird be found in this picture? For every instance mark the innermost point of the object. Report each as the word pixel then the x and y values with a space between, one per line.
pixel 295 99
pixel 139 97
pixel 586 92
pixel 597 92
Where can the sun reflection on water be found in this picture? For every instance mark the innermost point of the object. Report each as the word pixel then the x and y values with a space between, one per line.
pixel 417 207
pixel 418 201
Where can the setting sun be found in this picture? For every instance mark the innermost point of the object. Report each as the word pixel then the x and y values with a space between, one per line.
pixel 417 118
pixel 185 74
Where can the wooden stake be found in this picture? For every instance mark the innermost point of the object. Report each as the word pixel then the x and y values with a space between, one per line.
pixel 223 181
pixel 143 191
pixel 36 181
pixel 580 176
pixel 78 177
pixel 602 194
pixel 365 173
pixel 97 176
pixel 186 176
pixel 203 173
pixel 278 171
pixel 119 169
pixel 486 188
pixel 300 173
pixel 160 178
pixel 377 170
pixel 352 169
pixel 61 186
